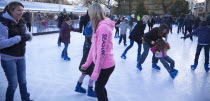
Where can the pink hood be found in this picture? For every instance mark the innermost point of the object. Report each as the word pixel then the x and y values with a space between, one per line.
pixel 101 51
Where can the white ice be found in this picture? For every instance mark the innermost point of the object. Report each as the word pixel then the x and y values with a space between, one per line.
pixel 50 78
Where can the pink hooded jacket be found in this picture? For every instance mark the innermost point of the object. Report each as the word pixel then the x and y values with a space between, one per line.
pixel 101 51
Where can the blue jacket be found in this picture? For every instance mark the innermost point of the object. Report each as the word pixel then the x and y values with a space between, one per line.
pixel 188 22
pixel 203 33
pixel 208 19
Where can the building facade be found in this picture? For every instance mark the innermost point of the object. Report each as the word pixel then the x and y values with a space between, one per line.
pixel 206 7
pixel 152 6
pixel 199 9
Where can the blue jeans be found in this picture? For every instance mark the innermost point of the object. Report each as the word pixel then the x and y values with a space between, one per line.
pixel 131 45
pixel 145 54
pixel 165 61
pixel 64 52
pixel 15 71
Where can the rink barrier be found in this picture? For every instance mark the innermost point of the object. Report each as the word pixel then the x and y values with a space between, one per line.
pixel 48 27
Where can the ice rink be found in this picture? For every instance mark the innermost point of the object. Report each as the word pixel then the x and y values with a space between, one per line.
pixel 51 78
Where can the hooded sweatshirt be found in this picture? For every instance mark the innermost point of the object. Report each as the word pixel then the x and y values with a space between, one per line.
pixel 123 28
pixel 101 51
pixel 203 33
pixel 8 42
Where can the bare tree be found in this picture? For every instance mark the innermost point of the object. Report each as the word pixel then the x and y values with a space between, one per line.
pixel 165 4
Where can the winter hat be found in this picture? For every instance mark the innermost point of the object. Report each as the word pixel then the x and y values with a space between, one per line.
pixel 126 19
pixel 64 10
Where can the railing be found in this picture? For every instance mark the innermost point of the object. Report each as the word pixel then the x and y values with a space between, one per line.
pixel 42 27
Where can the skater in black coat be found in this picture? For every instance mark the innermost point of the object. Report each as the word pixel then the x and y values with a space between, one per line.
pixel 82 25
pixel 149 39
pixel 151 22
pixel 136 35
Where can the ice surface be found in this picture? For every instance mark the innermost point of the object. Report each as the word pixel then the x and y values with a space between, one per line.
pixel 52 79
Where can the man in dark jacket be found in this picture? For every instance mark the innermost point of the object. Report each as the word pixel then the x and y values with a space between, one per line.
pixel 60 20
pixel 203 33
pixel 82 24
pixel 188 22
pixel 27 18
pixel 180 22
pixel 208 19
pixel 151 22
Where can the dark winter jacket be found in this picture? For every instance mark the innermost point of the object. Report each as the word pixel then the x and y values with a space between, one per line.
pixel 208 19
pixel 180 21
pixel 130 22
pixel 117 22
pixel 188 22
pixel 60 19
pixel 65 32
pixel 197 22
pixel 138 32
pixel 83 22
pixel 27 17
pixel 167 21
pixel 151 22
pixel 203 33
pixel 152 35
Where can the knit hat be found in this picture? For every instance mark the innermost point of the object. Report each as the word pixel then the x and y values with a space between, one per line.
pixel 64 10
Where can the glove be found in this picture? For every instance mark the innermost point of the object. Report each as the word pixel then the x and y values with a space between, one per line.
pixel 80 31
pixel 183 37
pixel 25 37
pixel 152 42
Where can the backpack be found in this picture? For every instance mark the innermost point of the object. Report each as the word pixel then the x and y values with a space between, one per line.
pixel 88 30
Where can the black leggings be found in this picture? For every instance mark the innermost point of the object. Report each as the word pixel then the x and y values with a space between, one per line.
pixel 101 83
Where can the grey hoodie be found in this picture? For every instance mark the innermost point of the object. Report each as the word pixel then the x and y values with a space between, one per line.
pixel 8 42
pixel 123 27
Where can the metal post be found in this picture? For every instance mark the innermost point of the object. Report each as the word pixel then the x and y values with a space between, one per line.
pixel 59 6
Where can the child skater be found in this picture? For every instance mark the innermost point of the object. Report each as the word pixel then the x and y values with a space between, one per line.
pixel 123 30
pixel 66 28
pixel 136 35
pixel 160 49
pixel 79 88
pixel 203 33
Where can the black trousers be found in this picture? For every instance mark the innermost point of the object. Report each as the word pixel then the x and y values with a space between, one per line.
pixel 117 31
pixel 189 29
pixel 206 52
pixel 28 26
pixel 101 83
pixel 122 36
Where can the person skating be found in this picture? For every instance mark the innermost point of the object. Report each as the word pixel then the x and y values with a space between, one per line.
pixel 136 35
pixel 88 34
pixel 60 20
pixel 117 28
pixel 149 39
pixel 65 35
pixel 160 50
pixel 188 22
pixel 101 51
pixel 123 31
pixel 203 33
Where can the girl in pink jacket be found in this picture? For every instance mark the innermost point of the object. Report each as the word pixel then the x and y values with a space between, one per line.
pixel 160 49
pixel 101 51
